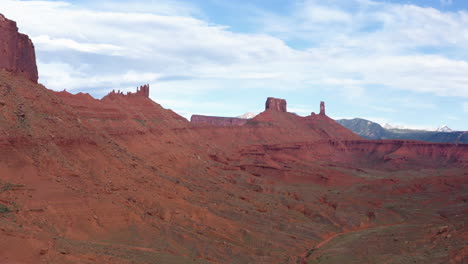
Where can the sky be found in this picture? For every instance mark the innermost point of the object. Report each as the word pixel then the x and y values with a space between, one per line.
pixel 401 62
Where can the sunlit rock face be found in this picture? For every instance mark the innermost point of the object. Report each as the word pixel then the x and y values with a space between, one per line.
pixel 16 50
pixel 275 104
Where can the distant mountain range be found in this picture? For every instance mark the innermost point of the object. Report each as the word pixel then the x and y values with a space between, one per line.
pixel 372 130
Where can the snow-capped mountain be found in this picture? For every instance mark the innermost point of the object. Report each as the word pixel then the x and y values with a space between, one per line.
pixel 372 130
pixel 389 126
pixel 444 128
pixel 248 115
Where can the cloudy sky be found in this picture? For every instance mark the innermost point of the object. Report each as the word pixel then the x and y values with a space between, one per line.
pixel 404 62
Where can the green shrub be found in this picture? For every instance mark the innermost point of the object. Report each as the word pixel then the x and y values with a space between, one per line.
pixel 4 209
pixel 10 186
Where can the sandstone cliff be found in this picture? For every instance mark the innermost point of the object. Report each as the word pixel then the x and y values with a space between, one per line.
pixel 218 120
pixel 16 50
pixel 275 104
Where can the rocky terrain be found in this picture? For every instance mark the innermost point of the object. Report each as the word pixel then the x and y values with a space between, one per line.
pixel 218 120
pixel 123 180
pixel 372 130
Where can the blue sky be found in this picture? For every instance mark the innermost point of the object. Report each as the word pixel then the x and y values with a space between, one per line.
pixel 398 62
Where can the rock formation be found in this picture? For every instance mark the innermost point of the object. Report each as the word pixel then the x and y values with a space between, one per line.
pixel 275 104
pixel 218 121
pixel 322 108
pixel 142 91
pixel 16 50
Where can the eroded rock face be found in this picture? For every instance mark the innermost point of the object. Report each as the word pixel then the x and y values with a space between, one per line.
pixel 16 50
pixel 275 104
pixel 218 121
pixel 322 108
pixel 142 91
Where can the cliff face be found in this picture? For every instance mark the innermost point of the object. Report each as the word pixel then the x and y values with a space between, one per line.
pixel 16 50
pixel 275 104
pixel 142 91
pixel 322 108
pixel 218 121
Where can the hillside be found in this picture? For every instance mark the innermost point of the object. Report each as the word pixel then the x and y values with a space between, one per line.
pixel 123 180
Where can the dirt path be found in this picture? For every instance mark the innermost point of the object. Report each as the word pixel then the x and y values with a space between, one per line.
pixel 310 253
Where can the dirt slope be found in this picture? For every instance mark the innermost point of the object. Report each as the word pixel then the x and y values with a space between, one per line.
pixel 123 180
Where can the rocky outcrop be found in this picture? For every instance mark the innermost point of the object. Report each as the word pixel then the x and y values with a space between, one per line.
pixel 275 104
pixel 218 121
pixel 142 91
pixel 16 50
pixel 322 108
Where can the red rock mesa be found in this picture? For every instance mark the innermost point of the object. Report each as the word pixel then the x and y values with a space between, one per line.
pixel 275 104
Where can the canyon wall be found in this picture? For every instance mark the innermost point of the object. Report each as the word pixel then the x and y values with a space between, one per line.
pixel 217 120
pixel 275 104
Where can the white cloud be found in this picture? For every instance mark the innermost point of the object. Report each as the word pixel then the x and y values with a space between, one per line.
pixel 160 7
pixel 64 76
pixel 46 43
pixel 403 47
pixel 171 44
pixel 351 47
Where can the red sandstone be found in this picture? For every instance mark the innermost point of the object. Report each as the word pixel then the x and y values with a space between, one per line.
pixel 322 108
pixel 275 104
pixel 16 50
pixel 218 121
pixel 142 91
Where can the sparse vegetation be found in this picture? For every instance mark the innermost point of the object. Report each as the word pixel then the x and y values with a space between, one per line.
pixel 4 209
pixel 9 186
pixel 253 122
pixel 141 121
